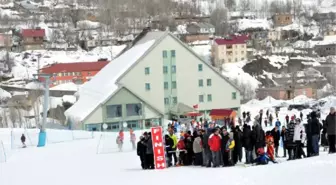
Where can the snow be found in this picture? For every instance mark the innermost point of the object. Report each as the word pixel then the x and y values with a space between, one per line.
pixel 181 29
pixel 66 87
pixel 244 24
pixel 69 98
pixel 74 154
pixel 328 40
pixel 4 94
pixel 105 82
pixel 86 24
pixel 234 71
pixel 204 51
pixel 34 85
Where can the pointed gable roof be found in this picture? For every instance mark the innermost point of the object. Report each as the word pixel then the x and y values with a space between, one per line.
pixel 94 92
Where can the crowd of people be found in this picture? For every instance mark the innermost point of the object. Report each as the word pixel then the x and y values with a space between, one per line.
pixel 213 146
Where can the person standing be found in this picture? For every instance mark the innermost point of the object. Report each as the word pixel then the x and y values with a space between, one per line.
pixel 276 138
pixel 238 149
pixel 301 116
pixel 133 139
pixel 287 119
pixel 197 148
pixel 215 147
pixel 290 145
pixel 247 143
pixel 331 130
pixel 141 152
pixel 149 152
pixel 174 139
pixel 299 138
pixel 284 140
pixel 315 129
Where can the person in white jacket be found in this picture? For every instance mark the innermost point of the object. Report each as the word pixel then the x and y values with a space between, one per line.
pixel 299 138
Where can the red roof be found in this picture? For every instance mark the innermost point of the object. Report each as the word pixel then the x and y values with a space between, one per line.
pixel 234 39
pixel 221 112
pixel 33 32
pixel 75 67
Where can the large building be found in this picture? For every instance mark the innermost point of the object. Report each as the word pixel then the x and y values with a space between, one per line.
pixel 78 73
pixel 33 39
pixel 154 78
pixel 230 49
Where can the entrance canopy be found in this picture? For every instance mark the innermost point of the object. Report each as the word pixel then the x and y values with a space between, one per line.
pixel 222 113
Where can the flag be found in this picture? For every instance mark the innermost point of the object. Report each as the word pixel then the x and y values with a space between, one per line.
pixel 195 106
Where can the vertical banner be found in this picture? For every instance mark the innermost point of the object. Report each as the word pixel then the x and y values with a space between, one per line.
pixel 158 148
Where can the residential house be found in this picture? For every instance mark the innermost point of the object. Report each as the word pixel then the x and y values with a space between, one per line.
pixel 32 39
pixel 198 32
pixel 78 73
pixel 5 40
pixel 230 49
pixel 149 82
pixel 324 50
pixel 274 35
pixel 282 19
pixel 286 92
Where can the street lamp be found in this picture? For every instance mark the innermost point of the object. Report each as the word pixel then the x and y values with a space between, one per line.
pixel 43 134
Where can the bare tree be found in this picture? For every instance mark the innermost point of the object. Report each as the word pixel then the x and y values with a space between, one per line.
pixel 219 18
pixel 230 4
pixel 13 116
pixel 244 5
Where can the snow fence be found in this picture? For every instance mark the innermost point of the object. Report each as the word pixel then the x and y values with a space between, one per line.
pixel 10 139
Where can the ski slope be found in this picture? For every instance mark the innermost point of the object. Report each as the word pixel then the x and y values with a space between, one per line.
pixel 76 162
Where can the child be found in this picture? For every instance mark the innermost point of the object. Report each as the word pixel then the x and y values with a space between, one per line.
pixel 182 150
pixel 270 144
pixel 262 158
pixel 119 142
pixel 229 146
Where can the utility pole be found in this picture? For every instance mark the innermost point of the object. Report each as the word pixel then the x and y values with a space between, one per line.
pixel 43 134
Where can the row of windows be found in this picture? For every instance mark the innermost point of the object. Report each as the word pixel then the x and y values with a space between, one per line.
pixel 236 59
pixel 166 85
pixel 165 53
pixel 167 101
pixel 236 52
pixel 173 69
pixel 115 111
pixel 200 82
pixel 201 98
pixel 72 74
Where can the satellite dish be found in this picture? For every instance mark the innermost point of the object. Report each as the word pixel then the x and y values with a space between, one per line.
pixel 104 126
pixel 125 125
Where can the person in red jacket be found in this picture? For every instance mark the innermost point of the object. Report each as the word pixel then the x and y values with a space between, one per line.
pixel 214 142
pixel 182 150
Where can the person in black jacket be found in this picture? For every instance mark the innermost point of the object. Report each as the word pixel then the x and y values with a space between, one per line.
pixel 23 141
pixel 169 143
pixel 276 137
pixel 284 140
pixel 331 130
pixel 290 140
pixel 141 152
pixel 225 155
pixel 238 149
pixel 315 129
pixel 247 143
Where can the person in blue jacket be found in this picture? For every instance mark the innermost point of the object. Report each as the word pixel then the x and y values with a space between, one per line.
pixel 278 124
pixel 262 158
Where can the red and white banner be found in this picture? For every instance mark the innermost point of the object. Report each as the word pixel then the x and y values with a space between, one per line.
pixel 158 148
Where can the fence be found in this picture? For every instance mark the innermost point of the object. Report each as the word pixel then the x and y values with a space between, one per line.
pixel 11 139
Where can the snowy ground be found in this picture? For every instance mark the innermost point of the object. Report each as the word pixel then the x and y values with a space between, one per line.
pixel 77 162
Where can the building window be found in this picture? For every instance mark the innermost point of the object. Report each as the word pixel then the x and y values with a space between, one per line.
pixel 89 73
pixel 201 98
pixel 175 100
pixel 243 58
pixel 147 86
pixel 165 69
pixel 166 101
pixel 173 85
pixel 132 124
pixel 113 111
pixel 209 98
pixel 59 74
pixel 173 69
pixel 165 85
pixel 234 95
pixel 200 67
pixel 200 83
pixel 164 54
pixel 147 71
pixel 208 82
pixel 134 109
pixel 172 53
